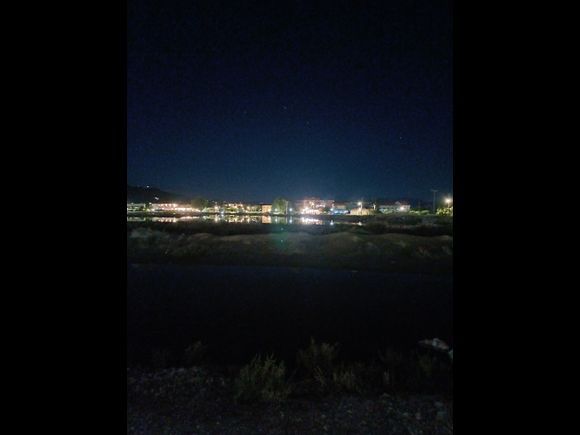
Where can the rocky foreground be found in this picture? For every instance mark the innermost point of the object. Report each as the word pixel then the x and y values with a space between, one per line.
pixel 193 401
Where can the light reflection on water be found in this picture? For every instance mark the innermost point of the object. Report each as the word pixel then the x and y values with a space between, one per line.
pixel 218 218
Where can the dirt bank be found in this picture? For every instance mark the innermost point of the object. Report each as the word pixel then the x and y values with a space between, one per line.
pixel 387 252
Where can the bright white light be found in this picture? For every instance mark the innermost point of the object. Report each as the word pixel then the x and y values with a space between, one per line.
pixel 448 200
pixel 305 220
pixel 360 204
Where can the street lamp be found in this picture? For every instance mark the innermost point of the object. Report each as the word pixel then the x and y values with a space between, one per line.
pixel 360 207
pixel 448 201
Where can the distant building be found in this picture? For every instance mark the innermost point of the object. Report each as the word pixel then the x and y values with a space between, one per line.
pixel 394 207
pixel 234 207
pixel 340 208
pixel 136 206
pixel 184 208
pixel 181 208
pixel 253 208
pixel 210 208
pixel 163 207
pixel 266 208
pixel 361 211
pixel 314 205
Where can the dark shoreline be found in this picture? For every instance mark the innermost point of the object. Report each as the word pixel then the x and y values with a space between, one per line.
pixel 315 248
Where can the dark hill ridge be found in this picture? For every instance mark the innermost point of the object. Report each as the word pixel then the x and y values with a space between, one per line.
pixel 139 194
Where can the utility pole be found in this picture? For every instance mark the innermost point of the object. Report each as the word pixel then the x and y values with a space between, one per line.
pixel 434 196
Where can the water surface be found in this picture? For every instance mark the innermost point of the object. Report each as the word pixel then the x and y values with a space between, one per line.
pixel 239 311
pixel 243 219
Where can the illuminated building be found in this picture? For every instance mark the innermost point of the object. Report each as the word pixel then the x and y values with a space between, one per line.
pixel 394 207
pixel 314 205
pixel 136 206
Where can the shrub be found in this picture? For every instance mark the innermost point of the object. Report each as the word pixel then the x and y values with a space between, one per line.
pixel 317 360
pixel 433 372
pixel 426 365
pixel 262 380
pixel 445 211
pixel 321 379
pixel 195 354
pixel 318 357
pixel 346 380
pixel 393 362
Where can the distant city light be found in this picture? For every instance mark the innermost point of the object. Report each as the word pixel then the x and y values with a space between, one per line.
pixel 307 207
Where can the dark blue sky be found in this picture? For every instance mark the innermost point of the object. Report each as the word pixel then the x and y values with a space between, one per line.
pixel 247 100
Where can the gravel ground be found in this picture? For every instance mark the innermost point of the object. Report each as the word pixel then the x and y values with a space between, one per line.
pixel 193 401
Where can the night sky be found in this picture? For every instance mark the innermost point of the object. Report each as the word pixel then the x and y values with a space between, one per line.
pixel 249 101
